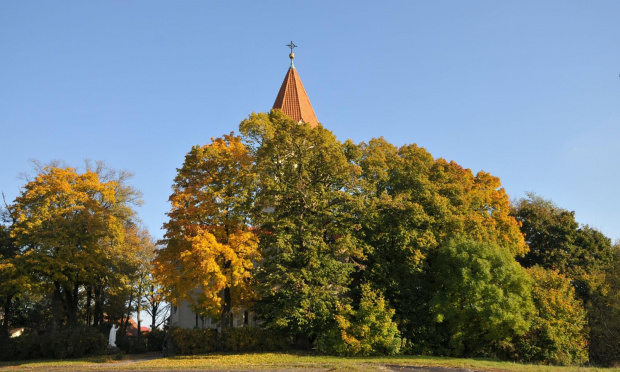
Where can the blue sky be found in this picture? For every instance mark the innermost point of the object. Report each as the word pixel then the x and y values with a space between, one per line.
pixel 526 90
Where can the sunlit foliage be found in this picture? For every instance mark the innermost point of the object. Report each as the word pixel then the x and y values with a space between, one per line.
pixel 209 251
pixel 558 334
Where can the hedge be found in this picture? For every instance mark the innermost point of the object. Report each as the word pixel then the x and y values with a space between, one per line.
pixel 73 342
pixel 244 339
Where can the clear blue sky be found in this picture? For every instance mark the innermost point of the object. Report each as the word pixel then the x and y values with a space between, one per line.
pixel 526 90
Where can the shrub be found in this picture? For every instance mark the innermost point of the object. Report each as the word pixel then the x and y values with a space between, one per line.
pixel 248 339
pixel 132 344
pixel 242 339
pixel 239 339
pixel 558 334
pixel 8 348
pixel 155 340
pixel 369 330
pixel 193 341
pixel 74 342
pixel 271 341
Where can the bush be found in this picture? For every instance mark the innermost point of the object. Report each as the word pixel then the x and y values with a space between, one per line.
pixel 155 340
pixel 8 348
pixel 75 342
pixel 558 334
pixel 192 341
pixel 132 344
pixel 247 339
pixel 243 339
pixel 271 341
pixel 369 330
pixel 239 339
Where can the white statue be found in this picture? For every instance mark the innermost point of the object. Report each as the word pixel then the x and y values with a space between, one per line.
pixel 112 338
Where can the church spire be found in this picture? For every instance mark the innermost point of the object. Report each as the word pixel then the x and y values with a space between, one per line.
pixel 292 98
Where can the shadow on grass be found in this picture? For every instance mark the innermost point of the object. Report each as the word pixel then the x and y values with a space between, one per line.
pixel 92 359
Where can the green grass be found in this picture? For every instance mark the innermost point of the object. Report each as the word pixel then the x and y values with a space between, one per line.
pixel 271 361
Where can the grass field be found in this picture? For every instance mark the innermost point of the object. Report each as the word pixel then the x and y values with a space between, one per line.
pixel 277 361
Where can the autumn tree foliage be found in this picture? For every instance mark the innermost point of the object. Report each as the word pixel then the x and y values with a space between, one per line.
pixel 132 291
pixel 331 217
pixel 349 247
pixel 413 205
pixel 62 219
pixel 209 250
pixel 558 334
pixel 69 231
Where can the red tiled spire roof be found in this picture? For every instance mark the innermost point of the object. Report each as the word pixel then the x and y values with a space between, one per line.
pixel 293 100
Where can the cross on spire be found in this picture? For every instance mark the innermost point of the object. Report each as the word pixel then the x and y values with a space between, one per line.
pixel 292 55
pixel 291 45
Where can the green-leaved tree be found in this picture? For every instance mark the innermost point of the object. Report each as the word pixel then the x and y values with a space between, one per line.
pixel 304 216
pixel 482 298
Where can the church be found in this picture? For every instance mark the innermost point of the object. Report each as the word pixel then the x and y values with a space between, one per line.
pixel 294 102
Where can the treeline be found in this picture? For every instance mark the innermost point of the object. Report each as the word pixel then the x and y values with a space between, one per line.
pixel 73 255
pixel 360 249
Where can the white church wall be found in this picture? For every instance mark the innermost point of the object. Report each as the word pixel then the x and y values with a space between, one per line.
pixel 183 316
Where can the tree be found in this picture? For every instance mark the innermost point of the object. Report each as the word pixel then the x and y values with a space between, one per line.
pixel 581 253
pixel 558 333
pixel 12 276
pixel 604 316
pixel 412 206
pixel 303 212
pixel 549 231
pixel 482 297
pixel 156 308
pixel 135 277
pixel 558 242
pixel 209 251
pixel 70 226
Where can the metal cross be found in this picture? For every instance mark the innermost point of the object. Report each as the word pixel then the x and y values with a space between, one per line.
pixel 291 45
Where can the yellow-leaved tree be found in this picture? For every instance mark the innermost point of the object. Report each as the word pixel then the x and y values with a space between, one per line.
pixel 69 225
pixel 209 249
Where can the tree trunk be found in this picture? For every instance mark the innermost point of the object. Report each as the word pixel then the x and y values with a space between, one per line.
pixel 56 308
pixel 225 320
pixel 154 305
pixel 4 329
pixel 89 297
pixel 139 302
pixel 72 304
pixel 154 312
pixel 124 324
pixel 98 318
